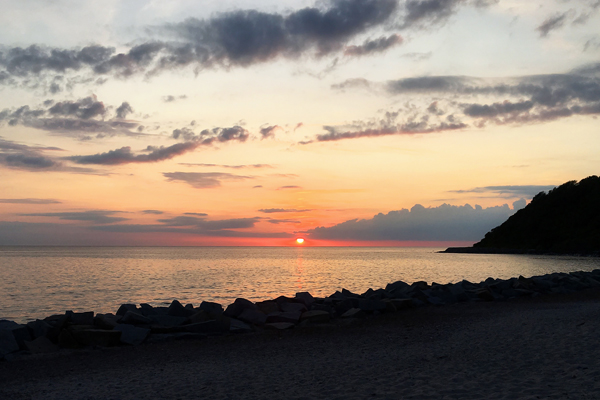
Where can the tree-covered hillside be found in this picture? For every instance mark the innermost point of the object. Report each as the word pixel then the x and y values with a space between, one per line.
pixel 565 220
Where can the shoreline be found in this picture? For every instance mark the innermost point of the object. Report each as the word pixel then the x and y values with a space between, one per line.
pixel 489 250
pixel 517 349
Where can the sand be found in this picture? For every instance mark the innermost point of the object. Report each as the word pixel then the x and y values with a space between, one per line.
pixel 542 348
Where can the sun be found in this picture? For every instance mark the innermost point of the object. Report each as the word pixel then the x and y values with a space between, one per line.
pixel 299 240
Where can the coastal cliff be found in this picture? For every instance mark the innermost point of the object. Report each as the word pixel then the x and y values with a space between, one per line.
pixel 566 220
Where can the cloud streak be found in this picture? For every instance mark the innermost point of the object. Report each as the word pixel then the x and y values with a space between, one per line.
pixel 203 180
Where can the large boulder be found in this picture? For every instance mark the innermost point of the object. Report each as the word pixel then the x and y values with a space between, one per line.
pixel 255 317
pixel 19 332
pixel 97 337
pixel 80 318
pixel 39 328
pixel 167 320
pixel 238 306
pixel 176 309
pixel 216 327
pixel 306 298
pixel 291 317
pixel 8 343
pixel 315 316
pixel 126 307
pixel 211 308
pixel 132 334
pixel 133 318
pixel 41 345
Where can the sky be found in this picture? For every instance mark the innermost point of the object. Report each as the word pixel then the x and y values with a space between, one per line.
pixel 253 123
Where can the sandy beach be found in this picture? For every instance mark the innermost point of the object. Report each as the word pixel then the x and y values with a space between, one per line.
pixel 545 347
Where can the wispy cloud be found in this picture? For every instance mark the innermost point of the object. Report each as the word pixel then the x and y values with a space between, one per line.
pixel 94 216
pixel 30 201
pixel 203 180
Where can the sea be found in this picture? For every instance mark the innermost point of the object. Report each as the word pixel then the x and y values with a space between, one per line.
pixel 36 282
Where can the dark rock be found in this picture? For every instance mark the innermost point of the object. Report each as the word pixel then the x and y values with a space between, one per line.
pixel 484 294
pixel 97 337
pixel 422 285
pixel 170 337
pixel 401 304
pixel 19 332
pixel 371 305
pixel 189 306
pixel 291 317
pixel 106 321
pixel 354 313
pixel 348 293
pixel 255 317
pixel 131 334
pixel 176 309
pixel 306 298
pixel 39 328
pixel 238 306
pixel 343 306
pixel 200 316
pixel 81 318
pixel 8 343
pixel 293 307
pixel 279 325
pixel 67 340
pixel 268 306
pixel 41 345
pixel 322 307
pixel 217 327
pixel 397 286
pixel 147 310
pixel 315 316
pixel 134 318
pixel 126 307
pixel 237 326
pixel 167 320
pixel 211 308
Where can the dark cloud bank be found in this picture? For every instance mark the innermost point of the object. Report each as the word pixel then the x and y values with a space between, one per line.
pixel 237 38
pixel 443 223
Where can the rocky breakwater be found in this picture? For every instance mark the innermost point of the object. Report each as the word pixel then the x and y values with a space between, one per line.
pixel 133 324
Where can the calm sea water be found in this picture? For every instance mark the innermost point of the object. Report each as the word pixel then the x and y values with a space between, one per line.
pixel 38 281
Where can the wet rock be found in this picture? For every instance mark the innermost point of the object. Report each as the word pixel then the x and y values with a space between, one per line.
pixel 315 316
pixel 306 298
pixel 126 307
pixel 133 318
pixel 255 317
pixel 80 318
pixel 131 334
pixel 238 306
pixel 176 309
pixel 292 317
pixel 97 337
pixel 41 345
pixel 354 313
pixel 211 308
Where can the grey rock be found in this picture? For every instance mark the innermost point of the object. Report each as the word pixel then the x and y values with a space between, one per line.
pixel 133 318
pixel 131 334
pixel 41 345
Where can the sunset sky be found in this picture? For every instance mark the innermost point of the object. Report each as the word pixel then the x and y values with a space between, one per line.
pixel 345 122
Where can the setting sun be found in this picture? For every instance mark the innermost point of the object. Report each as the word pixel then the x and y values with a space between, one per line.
pixel 299 240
